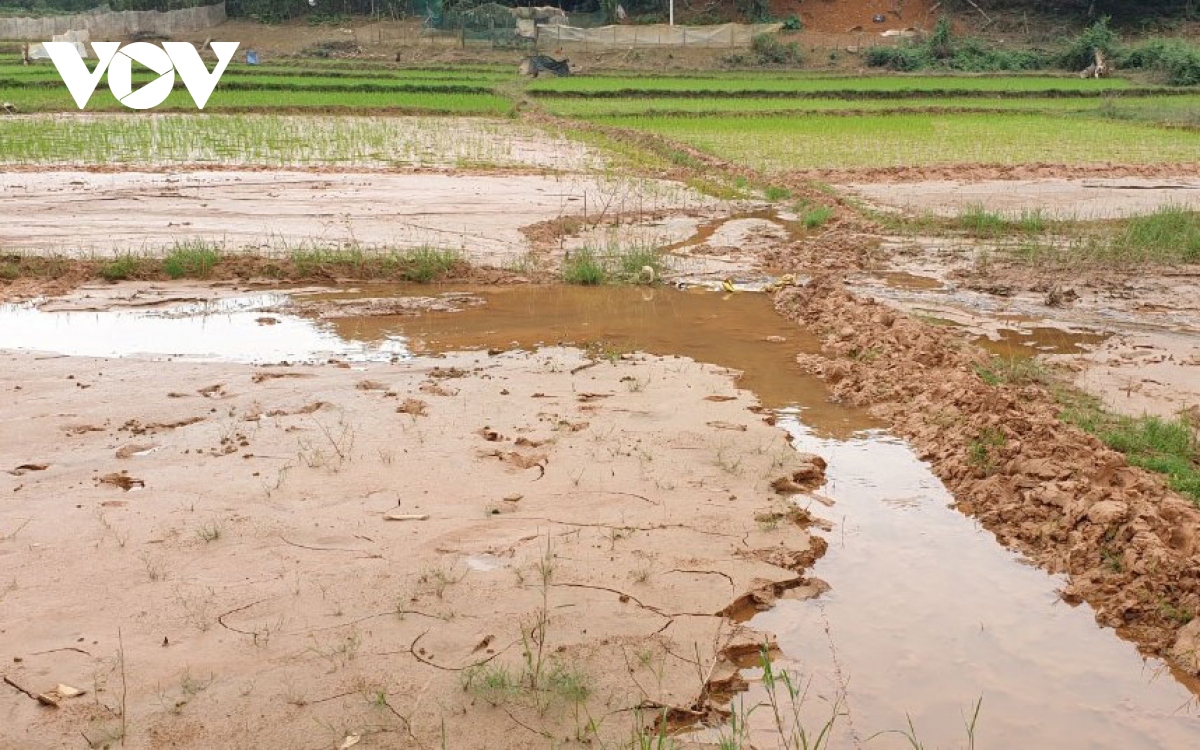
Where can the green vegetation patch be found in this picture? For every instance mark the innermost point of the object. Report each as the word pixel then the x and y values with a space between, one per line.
pixel 1166 446
pixel 780 143
pixel 1169 236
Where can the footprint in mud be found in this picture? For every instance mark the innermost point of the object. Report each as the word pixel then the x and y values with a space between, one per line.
pixel 121 479
pixel 519 460
pixel 81 429
pixel 260 377
pixel 134 427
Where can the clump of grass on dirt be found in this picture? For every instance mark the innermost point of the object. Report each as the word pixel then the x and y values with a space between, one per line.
pixel 584 267
pixel 1172 232
pixel 422 265
pixel 1169 236
pixel 194 259
pixel 125 266
pixel 814 217
pixel 1166 446
pixel 979 222
pixel 15 266
pixel 982 451
pixel 637 263
pixel 1014 371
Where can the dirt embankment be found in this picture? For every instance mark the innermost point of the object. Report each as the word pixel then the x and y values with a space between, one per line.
pixel 1130 546
pixel 978 172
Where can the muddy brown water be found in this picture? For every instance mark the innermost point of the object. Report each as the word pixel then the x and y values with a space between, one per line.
pixel 926 613
pixel 1020 343
pixel 740 331
pixel 706 230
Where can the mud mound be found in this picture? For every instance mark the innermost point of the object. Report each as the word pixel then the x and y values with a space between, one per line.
pixel 1056 494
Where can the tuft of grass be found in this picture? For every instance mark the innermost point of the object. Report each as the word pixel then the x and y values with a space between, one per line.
pixel 493 683
pixel 981 452
pixel 979 222
pixel 126 266
pixel 209 532
pixel 631 264
pixel 774 193
pixel 1013 371
pixel 1172 232
pixel 423 264
pixel 1168 236
pixel 426 264
pixel 816 217
pixel 1166 446
pixel 584 267
pixel 194 259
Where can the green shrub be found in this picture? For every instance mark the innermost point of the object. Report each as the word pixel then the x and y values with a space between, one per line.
pixel 1081 52
pixel 768 50
pixel 905 58
pixel 1177 60
pixel 974 56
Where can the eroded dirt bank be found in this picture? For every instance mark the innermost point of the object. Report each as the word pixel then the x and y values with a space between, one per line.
pixel 1131 547
pixel 472 551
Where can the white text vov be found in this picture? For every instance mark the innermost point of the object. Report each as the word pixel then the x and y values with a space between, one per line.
pixel 165 61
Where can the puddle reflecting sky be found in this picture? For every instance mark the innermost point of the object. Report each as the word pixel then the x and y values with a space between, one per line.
pixel 226 330
pixel 740 331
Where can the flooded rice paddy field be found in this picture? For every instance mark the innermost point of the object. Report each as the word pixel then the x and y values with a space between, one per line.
pixel 912 613
pixel 241 514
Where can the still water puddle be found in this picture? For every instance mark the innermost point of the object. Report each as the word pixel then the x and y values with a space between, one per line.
pixel 1021 343
pixel 230 330
pixel 926 613
pixel 740 331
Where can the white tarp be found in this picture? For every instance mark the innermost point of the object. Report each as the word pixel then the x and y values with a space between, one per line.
pixel 80 38
pixel 724 35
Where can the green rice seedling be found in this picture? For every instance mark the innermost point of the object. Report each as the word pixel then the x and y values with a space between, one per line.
pixel 779 144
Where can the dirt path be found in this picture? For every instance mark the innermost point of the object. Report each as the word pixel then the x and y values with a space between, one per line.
pixel 207 548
